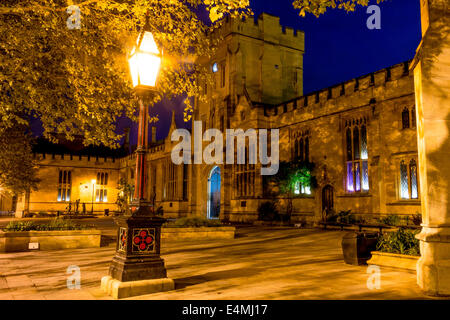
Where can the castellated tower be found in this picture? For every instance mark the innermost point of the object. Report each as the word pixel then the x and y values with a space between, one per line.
pixel 258 59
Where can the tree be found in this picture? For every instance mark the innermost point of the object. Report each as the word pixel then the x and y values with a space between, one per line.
pixel 18 172
pixel 318 7
pixel 292 175
pixel 76 80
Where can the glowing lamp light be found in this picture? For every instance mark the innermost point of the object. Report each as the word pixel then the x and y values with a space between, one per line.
pixel 145 62
pixel 94 181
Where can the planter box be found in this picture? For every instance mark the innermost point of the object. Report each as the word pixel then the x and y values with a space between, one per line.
pixel 49 240
pixel 197 233
pixel 356 247
pixel 394 260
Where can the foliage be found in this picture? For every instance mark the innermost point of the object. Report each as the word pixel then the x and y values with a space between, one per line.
pixel 318 7
pixel 125 192
pixel 268 211
pixel 17 168
pixel 290 174
pixel 55 224
pixel 417 219
pixel 187 222
pixel 391 220
pixel 76 81
pixel 401 241
pixel 342 217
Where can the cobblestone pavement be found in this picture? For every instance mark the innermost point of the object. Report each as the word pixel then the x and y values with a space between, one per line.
pixel 260 263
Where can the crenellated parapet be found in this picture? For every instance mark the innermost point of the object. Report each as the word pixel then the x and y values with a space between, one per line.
pixel 265 27
pixel 332 95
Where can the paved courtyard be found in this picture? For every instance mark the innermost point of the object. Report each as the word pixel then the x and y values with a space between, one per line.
pixel 260 263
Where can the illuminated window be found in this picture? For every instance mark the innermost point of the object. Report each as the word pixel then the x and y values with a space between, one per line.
pixel 215 67
pixel 64 185
pixel 101 193
pixel 408 180
pixel 301 189
pixel 357 156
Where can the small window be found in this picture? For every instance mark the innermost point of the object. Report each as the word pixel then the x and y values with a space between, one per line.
pixel 405 118
pixel 215 67
pixel 408 180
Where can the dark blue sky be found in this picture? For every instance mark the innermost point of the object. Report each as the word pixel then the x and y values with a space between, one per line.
pixel 339 46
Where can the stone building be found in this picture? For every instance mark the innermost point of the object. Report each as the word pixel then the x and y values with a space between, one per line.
pixel 359 134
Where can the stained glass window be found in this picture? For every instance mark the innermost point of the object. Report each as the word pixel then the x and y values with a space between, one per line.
pixel 350 177
pixel 349 144
pixel 404 190
pixel 356 153
pixel 365 176
pixel 357 156
pixel 413 176
pixel 364 153
pixel 357 177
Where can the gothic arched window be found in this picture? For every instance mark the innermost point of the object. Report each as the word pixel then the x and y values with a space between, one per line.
pixel 413 178
pixel 409 188
pixel 357 157
pixel 404 190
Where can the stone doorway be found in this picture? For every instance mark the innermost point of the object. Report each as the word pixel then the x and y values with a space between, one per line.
pixel 214 194
pixel 327 201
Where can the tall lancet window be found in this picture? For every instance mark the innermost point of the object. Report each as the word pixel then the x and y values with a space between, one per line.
pixel 409 184
pixel 357 156
pixel 404 189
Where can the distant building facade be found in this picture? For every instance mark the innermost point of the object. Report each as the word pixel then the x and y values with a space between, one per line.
pixel 359 134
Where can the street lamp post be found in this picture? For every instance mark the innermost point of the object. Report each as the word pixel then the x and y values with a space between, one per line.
pixel 137 267
pixel 93 181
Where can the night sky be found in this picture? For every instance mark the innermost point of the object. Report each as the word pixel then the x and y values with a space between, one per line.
pixel 339 47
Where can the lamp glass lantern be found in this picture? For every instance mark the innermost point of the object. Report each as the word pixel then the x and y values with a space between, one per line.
pixel 145 61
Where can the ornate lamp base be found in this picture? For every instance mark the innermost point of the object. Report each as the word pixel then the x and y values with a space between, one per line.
pixel 137 267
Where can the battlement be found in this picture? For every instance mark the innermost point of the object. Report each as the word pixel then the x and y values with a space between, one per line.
pixel 57 157
pixel 265 27
pixel 317 99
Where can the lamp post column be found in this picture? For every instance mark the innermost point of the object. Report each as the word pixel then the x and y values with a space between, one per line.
pixel 140 196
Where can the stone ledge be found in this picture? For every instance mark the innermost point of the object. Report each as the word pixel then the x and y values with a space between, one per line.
pixel 49 240
pixel 121 290
pixel 393 260
pixel 198 233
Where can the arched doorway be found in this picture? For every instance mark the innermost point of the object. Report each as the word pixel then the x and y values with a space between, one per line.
pixel 214 193
pixel 327 201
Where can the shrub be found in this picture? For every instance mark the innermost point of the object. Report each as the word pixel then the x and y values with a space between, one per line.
pixel 56 224
pixel 391 220
pixel 401 241
pixel 187 222
pixel 417 219
pixel 344 216
pixel 268 211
